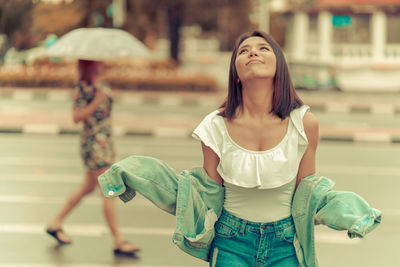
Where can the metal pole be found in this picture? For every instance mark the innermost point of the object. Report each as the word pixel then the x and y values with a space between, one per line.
pixel 264 15
pixel 119 8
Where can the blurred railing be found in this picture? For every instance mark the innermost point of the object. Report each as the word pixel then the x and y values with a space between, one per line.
pixel 195 46
pixel 351 67
pixel 312 51
pixel 354 51
pixel 392 51
pixel 348 51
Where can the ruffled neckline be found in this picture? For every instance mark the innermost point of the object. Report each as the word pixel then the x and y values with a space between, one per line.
pixel 284 139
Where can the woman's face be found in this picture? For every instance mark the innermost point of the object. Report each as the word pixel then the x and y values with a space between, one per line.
pixel 255 59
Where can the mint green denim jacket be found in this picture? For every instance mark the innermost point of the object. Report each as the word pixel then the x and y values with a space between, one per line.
pixel 315 202
pixel 193 197
pixel 196 200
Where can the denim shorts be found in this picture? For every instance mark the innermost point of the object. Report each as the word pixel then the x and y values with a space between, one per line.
pixel 241 243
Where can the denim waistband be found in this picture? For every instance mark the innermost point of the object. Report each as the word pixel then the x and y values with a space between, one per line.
pixel 265 227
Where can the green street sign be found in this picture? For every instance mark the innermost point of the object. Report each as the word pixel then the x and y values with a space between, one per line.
pixel 341 21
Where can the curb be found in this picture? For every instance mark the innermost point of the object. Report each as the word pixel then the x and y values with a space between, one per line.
pixel 373 109
pixel 355 139
pixel 135 97
pixel 179 132
pixel 200 99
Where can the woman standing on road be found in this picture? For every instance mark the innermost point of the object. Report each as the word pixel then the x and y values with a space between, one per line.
pixel 92 106
pixel 256 200
pixel 258 145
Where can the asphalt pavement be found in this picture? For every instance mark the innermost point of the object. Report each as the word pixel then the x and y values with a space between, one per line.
pixel 39 171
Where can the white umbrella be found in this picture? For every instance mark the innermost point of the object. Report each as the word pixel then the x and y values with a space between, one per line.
pixel 98 44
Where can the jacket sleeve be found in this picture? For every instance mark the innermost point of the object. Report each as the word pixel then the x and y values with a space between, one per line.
pixel 341 210
pixel 149 176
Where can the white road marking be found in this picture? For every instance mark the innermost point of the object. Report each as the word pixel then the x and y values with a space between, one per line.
pixel 76 162
pixel 359 170
pixel 171 132
pixel 170 101
pixel 335 237
pixel 383 109
pixel 391 212
pixel 119 130
pixel 23 94
pixel 208 102
pixel 84 229
pixel 372 137
pixel 41 129
pixel 331 237
pixel 41 161
pixel 139 200
pixel 81 265
pixel 25 199
pixel 43 178
pixel 337 107
pixel 62 96
pixel 131 99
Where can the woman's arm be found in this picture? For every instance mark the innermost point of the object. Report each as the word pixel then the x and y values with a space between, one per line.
pixel 82 114
pixel 307 163
pixel 210 163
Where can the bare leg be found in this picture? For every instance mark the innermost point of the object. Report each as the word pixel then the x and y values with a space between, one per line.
pixel 109 208
pixel 87 187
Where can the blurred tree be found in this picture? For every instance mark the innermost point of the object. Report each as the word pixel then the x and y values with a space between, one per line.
pixel 143 18
pixel 56 19
pixel 15 21
pixel 27 22
pixel 91 11
pixel 226 19
pixel 151 19
pixel 235 22
pixel 61 18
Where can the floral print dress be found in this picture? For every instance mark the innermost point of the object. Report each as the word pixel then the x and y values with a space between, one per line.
pixel 97 148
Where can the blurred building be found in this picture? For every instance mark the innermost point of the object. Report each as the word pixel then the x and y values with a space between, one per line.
pixel 353 45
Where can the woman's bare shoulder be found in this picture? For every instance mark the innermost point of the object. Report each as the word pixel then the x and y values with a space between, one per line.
pixel 311 126
pixel 310 121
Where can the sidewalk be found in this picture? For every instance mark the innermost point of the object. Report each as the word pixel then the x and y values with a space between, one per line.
pixel 126 124
pixel 376 103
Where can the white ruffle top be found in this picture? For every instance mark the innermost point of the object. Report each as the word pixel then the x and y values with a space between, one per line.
pixel 267 169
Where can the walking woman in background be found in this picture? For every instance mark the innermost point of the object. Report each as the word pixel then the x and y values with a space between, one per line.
pixel 92 106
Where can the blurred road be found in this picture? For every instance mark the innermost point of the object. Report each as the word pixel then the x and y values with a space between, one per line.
pixel 39 170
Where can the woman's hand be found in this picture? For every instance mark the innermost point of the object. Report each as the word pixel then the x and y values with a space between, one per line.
pixel 100 97
pixel 82 114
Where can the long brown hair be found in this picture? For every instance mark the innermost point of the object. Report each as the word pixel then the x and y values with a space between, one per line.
pixel 284 98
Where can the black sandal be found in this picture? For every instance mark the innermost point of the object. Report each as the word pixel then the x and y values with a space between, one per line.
pixel 120 252
pixel 54 233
